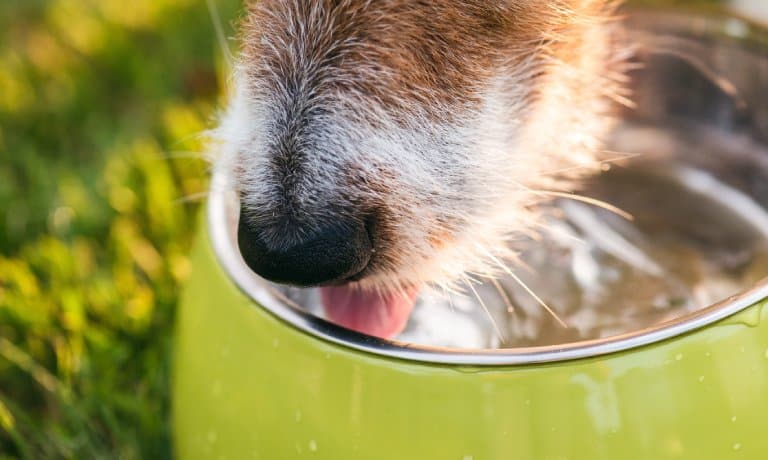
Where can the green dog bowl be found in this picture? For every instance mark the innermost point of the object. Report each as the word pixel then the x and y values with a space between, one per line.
pixel 257 378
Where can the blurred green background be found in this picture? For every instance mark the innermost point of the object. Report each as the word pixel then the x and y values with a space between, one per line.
pixel 103 104
pixel 102 107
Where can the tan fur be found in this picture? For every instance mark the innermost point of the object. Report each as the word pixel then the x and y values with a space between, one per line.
pixel 526 86
pixel 426 54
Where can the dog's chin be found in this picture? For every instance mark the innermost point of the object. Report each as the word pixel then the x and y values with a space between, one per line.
pixel 370 312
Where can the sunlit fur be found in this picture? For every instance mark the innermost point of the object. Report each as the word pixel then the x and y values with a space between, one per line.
pixel 445 120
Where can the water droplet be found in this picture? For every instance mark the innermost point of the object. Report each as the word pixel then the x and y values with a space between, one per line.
pixel 468 457
pixel 327 356
pixel 742 349
pixel 298 416
pixel 707 354
pixel 750 317
pixel 766 354
pixel 737 446
pixel 275 343
pixel 313 445
pixel 212 437
pixel 527 402
pixel 736 28
pixel 701 378
pixel 678 356
pixel 733 419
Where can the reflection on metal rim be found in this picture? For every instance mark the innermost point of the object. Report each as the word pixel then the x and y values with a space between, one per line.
pixel 221 215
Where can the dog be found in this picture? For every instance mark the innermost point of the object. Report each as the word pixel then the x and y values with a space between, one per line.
pixel 380 146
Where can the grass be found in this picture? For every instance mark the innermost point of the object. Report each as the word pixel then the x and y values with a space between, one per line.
pixel 101 108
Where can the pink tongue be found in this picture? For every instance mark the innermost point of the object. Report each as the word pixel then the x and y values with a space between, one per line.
pixel 380 315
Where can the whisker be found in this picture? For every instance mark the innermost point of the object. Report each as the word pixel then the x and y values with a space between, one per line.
pixel 192 198
pixel 503 294
pixel 685 49
pixel 185 154
pixel 619 157
pixel 499 335
pixel 467 277
pixel 219 30
pixel 588 200
pixel 202 195
pixel 449 297
pixel 623 100
pixel 204 135
pixel 450 289
pixel 525 286
pixel 176 154
pixel 554 230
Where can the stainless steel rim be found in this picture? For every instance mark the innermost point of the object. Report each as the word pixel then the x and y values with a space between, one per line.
pixel 222 215
pixel 222 212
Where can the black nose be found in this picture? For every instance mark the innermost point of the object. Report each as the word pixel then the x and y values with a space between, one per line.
pixel 335 253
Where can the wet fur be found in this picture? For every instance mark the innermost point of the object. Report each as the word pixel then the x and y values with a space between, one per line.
pixel 441 123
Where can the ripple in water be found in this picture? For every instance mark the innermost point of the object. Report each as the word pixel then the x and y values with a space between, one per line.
pixel 698 235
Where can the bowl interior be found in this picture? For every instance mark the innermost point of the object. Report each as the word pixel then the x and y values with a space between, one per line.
pixel 699 127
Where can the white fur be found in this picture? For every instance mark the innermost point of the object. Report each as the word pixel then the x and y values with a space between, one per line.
pixel 504 155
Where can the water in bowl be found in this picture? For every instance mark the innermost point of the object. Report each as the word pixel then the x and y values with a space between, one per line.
pixel 695 238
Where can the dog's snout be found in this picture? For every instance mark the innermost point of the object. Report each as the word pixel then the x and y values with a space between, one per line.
pixel 335 253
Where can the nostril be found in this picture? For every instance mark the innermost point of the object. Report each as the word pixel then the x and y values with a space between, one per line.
pixel 336 252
